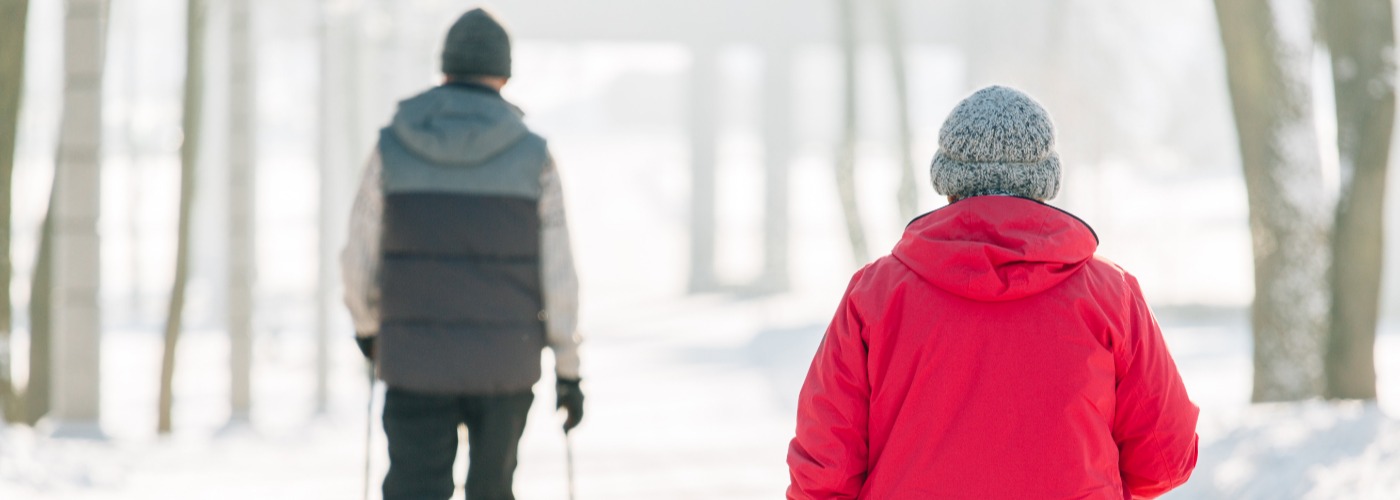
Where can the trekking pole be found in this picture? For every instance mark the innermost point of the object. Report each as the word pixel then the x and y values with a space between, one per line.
pixel 569 461
pixel 369 426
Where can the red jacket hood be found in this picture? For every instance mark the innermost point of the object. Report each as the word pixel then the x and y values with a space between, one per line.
pixel 996 248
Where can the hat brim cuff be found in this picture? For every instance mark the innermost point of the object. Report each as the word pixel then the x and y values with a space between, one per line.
pixel 470 65
pixel 1039 180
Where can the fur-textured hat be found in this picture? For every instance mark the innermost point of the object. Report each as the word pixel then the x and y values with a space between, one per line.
pixel 477 45
pixel 998 141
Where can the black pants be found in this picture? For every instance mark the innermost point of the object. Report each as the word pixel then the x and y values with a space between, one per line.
pixel 422 431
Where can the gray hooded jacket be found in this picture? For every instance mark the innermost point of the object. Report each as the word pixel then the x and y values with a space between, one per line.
pixel 458 255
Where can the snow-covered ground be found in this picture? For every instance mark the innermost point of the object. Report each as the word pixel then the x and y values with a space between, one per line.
pixel 688 399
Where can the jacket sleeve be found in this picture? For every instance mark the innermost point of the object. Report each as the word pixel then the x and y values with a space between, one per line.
pixel 1155 422
pixel 359 260
pixel 560 280
pixel 828 458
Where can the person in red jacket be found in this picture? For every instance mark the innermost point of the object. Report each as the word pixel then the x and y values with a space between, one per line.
pixel 992 354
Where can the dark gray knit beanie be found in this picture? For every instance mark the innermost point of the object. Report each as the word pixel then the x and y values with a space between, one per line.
pixel 998 141
pixel 477 44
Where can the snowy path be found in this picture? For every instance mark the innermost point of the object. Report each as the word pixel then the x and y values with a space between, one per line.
pixel 693 399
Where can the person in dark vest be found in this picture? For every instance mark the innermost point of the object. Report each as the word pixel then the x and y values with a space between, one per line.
pixel 458 272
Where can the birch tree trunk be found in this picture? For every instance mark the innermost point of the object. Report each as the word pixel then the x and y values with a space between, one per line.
pixel 242 268
pixel 1268 48
pixel 331 151
pixel 1360 34
pixel 76 264
pixel 340 154
pixel 13 20
pixel 704 142
pixel 777 151
pixel 846 152
pixel 892 22
pixel 189 157
pixel 136 163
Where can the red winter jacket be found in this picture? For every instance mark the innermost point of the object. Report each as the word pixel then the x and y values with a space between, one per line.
pixel 993 356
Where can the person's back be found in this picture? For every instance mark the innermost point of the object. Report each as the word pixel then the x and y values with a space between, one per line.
pixel 460 282
pixel 458 272
pixel 992 355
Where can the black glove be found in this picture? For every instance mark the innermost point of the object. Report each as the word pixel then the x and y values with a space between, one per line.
pixel 366 346
pixel 570 398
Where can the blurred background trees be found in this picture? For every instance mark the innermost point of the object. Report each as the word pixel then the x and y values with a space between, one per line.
pixel 1317 265
pixel 242 212
pixel 1268 53
pixel 74 267
pixel 757 131
pixel 850 117
pixel 14 16
pixel 193 126
pixel 1360 38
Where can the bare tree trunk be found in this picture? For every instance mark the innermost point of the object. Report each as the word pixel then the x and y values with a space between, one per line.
pixel 76 265
pixel 1268 47
pixel 14 15
pixel 38 392
pixel 846 153
pixel 135 150
pixel 340 152
pixel 777 149
pixel 189 158
pixel 75 357
pixel 704 87
pixel 892 22
pixel 242 266
pixel 1360 35
pixel 331 148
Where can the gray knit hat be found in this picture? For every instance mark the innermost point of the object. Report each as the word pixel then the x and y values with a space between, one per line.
pixel 477 44
pixel 997 141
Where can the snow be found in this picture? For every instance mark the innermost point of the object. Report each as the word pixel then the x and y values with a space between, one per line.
pixel 689 397
pixel 1301 450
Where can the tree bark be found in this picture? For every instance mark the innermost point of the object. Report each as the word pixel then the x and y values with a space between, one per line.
pixel 777 152
pixel 332 145
pixel 846 152
pixel 704 143
pixel 136 191
pixel 189 157
pixel 339 150
pixel 1360 34
pixel 242 268
pixel 13 20
pixel 1268 47
pixel 37 393
pixel 76 321
pixel 892 21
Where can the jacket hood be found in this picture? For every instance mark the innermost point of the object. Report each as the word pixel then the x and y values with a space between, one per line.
pixel 457 126
pixel 996 248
